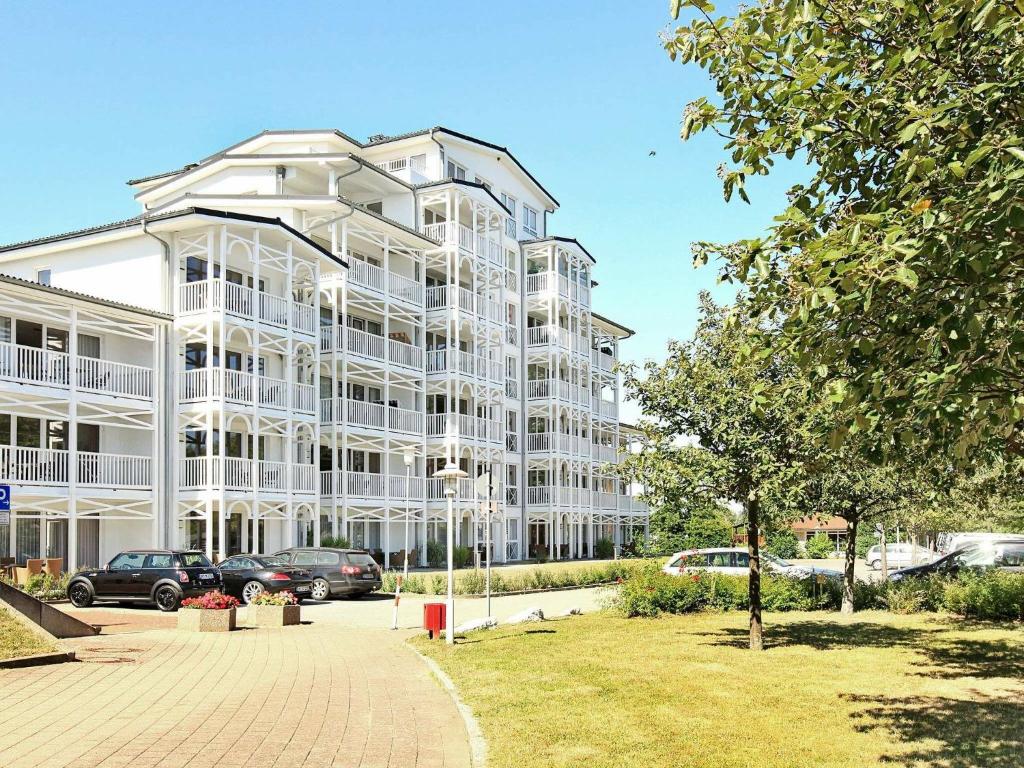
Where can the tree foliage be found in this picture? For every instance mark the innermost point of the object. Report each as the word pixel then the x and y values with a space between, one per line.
pixel 896 270
pixel 724 419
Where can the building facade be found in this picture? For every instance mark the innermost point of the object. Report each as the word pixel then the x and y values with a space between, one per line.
pixel 289 341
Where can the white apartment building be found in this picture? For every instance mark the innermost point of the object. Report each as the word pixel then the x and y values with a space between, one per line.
pixel 288 342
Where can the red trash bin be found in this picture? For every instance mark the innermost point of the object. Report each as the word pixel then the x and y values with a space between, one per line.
pixel 434 615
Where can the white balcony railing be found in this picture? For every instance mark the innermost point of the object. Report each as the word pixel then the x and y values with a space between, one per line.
pixel 240 386
pixel 601 360
pixel 512 388
pixel 401 353
pixel 378 279
pixel 32 365
pixel 245 302
pixel 47 466
pixel 196 473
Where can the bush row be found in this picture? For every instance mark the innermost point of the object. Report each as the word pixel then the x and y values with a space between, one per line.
pixel 991 595
pixel 516 580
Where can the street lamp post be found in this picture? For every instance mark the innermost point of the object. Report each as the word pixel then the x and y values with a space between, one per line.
pixel 409 457
pixel 450 476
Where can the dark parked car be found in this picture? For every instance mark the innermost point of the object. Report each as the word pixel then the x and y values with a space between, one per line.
pixel 336 572
pixel 1006 555
pixel 161 576
pixel 245 576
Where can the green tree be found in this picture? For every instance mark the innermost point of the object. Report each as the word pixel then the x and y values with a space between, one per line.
pixel 723 422
pixel 782 543
pixel 895 271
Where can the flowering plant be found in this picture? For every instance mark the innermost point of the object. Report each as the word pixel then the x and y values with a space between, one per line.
pixel 216 601
pixel 274 598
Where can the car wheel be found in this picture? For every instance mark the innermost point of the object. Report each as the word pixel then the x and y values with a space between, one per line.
pixel 250 590
pixel 875 565
pixel 80 595
pixel 321 589
pixel 167 598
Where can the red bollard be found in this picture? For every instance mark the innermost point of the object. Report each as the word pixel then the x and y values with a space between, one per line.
pixel 434 615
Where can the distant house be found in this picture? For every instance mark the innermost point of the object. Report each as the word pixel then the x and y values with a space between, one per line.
pixel 805 528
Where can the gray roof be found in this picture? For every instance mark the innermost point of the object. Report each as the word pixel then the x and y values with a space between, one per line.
pixel 559 239
pixel 83 296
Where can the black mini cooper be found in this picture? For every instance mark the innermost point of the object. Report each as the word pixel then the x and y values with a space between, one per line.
pixel 161 576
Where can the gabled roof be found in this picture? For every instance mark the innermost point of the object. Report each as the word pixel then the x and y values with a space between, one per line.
pixel 372 143
pixel 559 239
pixel 139 220
pixel 20 281
pixel 464 183
pixel 465 137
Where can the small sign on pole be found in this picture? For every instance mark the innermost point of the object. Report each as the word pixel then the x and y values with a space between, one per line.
pixel 5 505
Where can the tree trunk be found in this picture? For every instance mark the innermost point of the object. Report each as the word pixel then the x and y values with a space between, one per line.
pixel 885 560
pixel 756 626
pixel 851 561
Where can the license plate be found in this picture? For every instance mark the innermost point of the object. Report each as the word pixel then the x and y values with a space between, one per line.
pixel 205 576
pixel 367 575
pixel 302 589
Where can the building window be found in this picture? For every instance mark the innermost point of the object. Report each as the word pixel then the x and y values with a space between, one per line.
pixel 529 220
pixel 43 276
pixel 509 202
pixel 483 183
pixel 376 207
pixel 456 171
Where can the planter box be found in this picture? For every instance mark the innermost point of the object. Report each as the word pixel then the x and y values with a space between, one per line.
pixel 206 620
pixel 271 615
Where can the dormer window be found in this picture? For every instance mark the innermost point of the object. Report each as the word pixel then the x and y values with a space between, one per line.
pixel 456 171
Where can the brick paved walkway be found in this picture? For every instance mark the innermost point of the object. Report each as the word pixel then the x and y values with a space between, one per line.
pixel 315 695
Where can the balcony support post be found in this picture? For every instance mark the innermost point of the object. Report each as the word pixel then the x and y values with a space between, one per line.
pixel 72 446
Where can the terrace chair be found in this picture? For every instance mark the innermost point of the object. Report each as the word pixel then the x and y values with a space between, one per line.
pixel 53 566
pixel 23 573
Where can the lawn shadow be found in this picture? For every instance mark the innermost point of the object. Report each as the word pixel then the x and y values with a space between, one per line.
pixel 489 636
pixel 939 656
pixel 945 732
pixel 825 635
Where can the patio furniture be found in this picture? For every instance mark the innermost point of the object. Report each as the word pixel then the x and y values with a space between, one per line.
pixel 23 573
pixel 53 566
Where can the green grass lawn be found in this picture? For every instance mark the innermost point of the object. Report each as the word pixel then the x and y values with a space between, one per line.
pixel 17 640
pixel 600 690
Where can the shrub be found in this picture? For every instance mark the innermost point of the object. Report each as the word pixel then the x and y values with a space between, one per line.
pixel 782 544
pixel 462 556
pixel 215 600
pixel 337 542
pixel 541 554
pixel 991 595
pixel 866 539
pixel 820 547
pixel 436 553
pixel 604 549
pixel 274 598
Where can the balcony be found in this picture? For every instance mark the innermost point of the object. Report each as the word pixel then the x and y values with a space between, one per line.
pixel 607 409
pixel 454 233
pixel 234 474
pixel 241 388
pixel 445 361
pixel 435 490
pixel 541 283
pixel 605 452
pixel 244 302
pixel 546 442
pixel 31 365
pixel 601 360
pixel 337 338
pixel 449 297
pixel 377 279
pixel 562 495
pixel 368 485
pixel 48 466
pixel 463 426
pixel 373 415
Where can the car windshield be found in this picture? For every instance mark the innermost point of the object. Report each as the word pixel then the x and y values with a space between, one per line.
pixel 777 561
pixel 194 560
pixel 273 560
pixel 976 556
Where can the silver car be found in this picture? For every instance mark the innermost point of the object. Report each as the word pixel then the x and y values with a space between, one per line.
pixel 735 561
pixel 899 556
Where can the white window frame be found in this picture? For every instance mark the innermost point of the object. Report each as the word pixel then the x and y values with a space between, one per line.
pixel 457 168
pixel 509 202
pixel 44 275
pixel 528 214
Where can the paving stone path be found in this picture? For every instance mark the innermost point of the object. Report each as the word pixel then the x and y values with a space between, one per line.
pixel 315 695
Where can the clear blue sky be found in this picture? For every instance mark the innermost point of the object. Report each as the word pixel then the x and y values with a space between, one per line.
pixel 97 93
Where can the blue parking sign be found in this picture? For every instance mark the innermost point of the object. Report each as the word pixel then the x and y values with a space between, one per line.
pixel 5 498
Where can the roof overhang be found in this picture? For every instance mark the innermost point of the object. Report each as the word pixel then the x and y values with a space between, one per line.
pixel 619 331
pixel 31 285
pixel 572 241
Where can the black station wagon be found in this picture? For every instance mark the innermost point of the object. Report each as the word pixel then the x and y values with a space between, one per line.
pixel 160 576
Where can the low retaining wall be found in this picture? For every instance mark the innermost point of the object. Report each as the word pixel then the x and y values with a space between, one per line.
pixel 53 620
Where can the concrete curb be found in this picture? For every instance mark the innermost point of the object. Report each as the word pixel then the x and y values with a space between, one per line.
pixel 477 743
pixel 37 660
pixel 481 595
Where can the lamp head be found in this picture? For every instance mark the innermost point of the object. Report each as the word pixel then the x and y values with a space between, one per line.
pixel 409 456
pixel 451 475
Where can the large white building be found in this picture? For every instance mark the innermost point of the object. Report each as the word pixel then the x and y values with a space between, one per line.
pixel 288 342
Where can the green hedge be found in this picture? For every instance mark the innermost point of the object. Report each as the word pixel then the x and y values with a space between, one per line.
pixel 991 595
pixel 516 580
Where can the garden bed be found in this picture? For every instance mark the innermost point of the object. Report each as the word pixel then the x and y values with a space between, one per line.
pixel 17 640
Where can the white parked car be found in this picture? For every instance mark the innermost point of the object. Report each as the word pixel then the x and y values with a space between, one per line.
pixel 952 542
pixel 736 562
pixel 899 556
